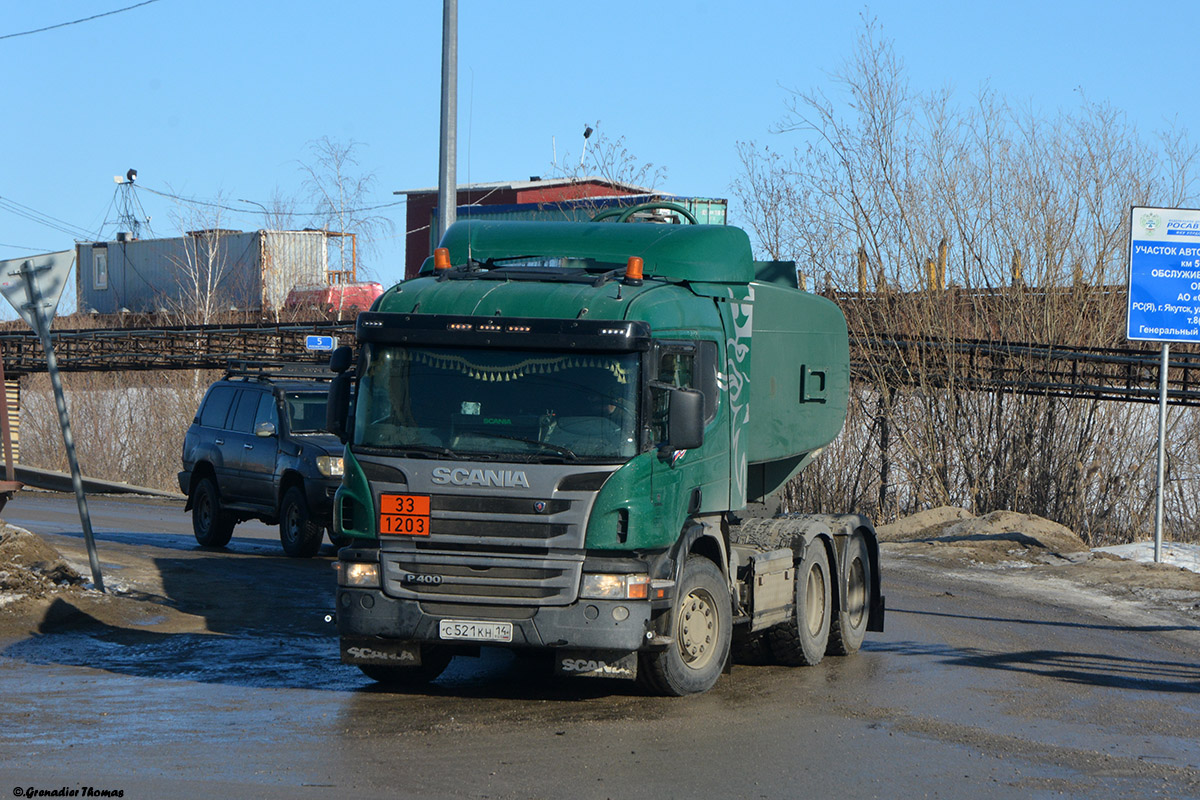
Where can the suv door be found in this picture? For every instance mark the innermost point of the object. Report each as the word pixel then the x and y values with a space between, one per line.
pixel 214 442
pixel 260 459
pixel 255 465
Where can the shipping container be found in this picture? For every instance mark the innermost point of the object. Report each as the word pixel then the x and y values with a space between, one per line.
pixel 222 269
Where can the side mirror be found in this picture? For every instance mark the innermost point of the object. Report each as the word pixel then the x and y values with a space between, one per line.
pixel 341 359
pixel 337 407
pixel 685 419
pixel 265 429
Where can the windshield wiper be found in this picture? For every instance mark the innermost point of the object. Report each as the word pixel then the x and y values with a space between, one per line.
pixel 565 451
pixel 409 449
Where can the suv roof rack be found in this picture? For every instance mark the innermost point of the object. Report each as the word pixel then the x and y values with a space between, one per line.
pixel 274 370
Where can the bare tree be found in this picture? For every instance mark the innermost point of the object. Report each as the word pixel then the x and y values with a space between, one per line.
pixel 930 218
pixel 341 194
pixel 279 212
pixel 608 160
pixel 204 273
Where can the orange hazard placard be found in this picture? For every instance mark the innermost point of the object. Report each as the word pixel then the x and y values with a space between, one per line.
pixel 404 514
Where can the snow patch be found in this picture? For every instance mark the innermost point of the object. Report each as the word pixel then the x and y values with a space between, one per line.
pixel 1186 556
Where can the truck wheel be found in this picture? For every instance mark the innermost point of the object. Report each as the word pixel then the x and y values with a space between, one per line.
pixel 434 661
pixel 801 641
pixel 300 534
pixel 703 623
pixel 849 625
pixel 752 648
pixel 212 526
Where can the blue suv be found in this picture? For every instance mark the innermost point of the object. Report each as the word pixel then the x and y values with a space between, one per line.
pixel 257 449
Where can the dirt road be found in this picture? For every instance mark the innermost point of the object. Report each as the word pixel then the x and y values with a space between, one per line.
pixel 215 675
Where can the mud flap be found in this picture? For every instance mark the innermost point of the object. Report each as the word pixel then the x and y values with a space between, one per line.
pixel 373 650
pixel 875 620
pixel 596 664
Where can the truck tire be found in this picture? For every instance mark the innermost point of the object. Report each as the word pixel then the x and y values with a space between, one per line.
pixel 212 526
pixel 849 625
pixel 299 533
pixel 801 641
pixel 434 661
pixel 752 649
pixel 703 624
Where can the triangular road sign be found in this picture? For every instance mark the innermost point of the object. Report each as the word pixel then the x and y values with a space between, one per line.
pixel 49 271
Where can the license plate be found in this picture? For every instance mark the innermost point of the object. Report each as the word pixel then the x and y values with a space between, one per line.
pixel 403 515
pixel 475 631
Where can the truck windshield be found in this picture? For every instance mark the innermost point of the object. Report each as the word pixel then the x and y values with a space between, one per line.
pixel 473 403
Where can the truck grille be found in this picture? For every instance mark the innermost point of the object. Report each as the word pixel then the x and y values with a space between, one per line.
pixel 481 579
pixel 459 522
pixel 490 547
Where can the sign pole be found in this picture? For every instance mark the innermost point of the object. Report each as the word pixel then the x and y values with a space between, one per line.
pixel 42 328
pixel 1162 453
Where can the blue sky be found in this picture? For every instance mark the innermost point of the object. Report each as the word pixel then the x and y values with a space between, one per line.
pixel 209 98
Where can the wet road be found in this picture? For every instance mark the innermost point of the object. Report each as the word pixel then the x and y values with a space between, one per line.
pixel 972 691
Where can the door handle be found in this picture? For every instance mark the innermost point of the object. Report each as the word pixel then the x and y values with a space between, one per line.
pixel 247 447
pixel 219 441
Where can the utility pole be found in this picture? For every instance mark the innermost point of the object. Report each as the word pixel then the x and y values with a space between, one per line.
pixel 447 177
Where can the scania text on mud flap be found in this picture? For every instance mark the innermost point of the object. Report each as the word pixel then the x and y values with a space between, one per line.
pixel 574 437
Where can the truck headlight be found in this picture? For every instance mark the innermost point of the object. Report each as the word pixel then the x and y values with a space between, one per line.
pixel 359 574
pixel 330 466
pixel 601 586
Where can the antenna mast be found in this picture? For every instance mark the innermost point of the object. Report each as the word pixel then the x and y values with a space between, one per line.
pixel 127 219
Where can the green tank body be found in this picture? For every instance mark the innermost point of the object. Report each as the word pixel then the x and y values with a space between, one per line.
pixel 796 343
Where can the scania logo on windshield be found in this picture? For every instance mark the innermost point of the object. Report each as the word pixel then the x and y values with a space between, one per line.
pixel 503 478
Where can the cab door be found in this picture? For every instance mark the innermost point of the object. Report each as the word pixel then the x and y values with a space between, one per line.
pixel 686 482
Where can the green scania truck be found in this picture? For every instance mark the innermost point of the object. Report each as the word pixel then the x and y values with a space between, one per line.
pixel 573 437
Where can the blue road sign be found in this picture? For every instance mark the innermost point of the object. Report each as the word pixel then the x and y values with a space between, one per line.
pixel 313 342
pixel 1164 275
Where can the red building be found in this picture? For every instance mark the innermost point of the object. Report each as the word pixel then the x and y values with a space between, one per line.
pixel 422 205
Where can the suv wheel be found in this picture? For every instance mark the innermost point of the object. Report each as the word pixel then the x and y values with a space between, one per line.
pixel 300 534
pixel 212 526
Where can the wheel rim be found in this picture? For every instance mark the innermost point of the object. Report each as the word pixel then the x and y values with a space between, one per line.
pixel 697 629
pixel 204 511
pixel 856 592
pixel 291 523
pixel 814 601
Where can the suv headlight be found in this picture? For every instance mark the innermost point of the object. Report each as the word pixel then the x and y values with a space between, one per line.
pixel 330 466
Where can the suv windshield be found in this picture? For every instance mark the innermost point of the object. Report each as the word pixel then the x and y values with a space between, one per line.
pixel 306 411
pixel 489 402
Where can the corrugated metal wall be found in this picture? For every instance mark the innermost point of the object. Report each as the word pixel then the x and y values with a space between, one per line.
pixel 248 270
pixel 292 258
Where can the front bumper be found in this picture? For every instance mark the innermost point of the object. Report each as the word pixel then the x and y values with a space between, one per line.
pixel 622 625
